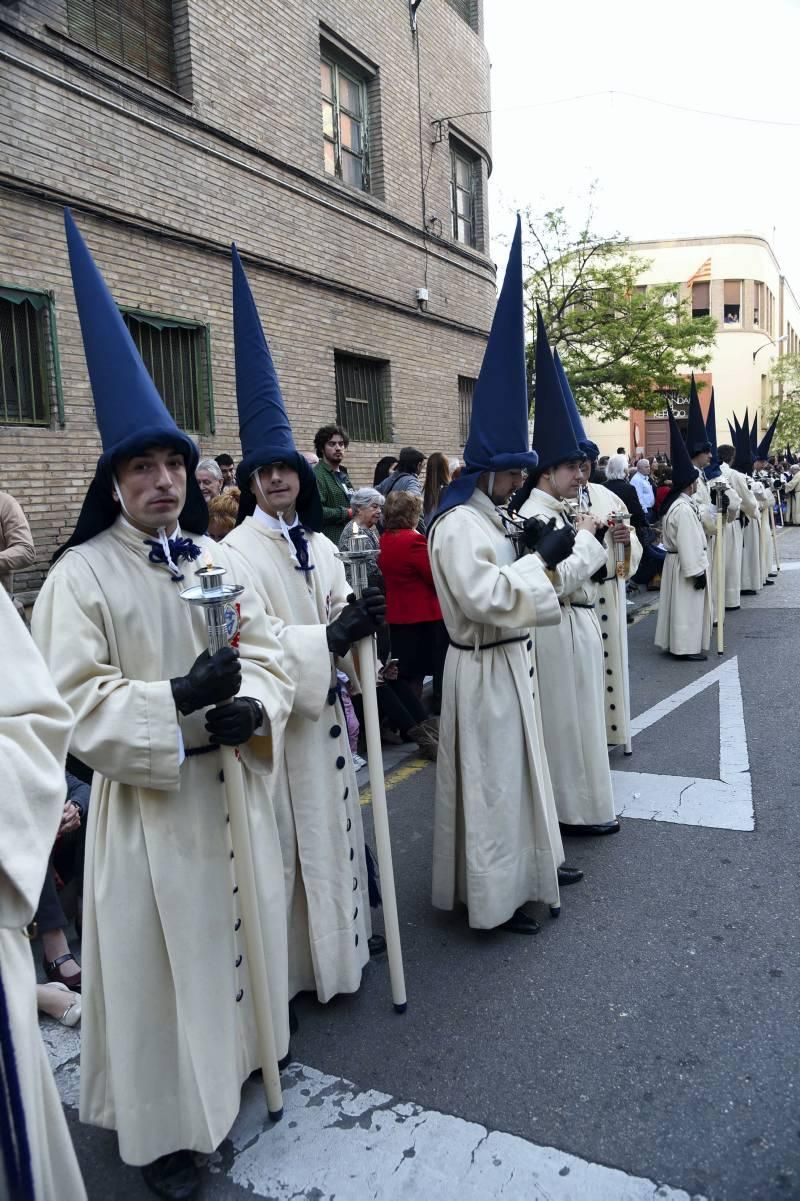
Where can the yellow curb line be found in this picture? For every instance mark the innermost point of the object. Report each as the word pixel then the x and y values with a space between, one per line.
pixel 404 772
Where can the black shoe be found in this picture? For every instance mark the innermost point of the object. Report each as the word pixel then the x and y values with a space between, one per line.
pixel 174 1176
pixel 748 592
pixel 569 875
pixel 598 829
pixel 732 608
pixel 520 923
pixel 294 1025
pixel 376 944
pixel 768 583
pixel 698 658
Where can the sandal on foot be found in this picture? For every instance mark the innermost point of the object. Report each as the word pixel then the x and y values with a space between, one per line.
pixel 52 969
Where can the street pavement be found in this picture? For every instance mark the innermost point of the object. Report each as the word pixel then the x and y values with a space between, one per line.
pixel 645 1044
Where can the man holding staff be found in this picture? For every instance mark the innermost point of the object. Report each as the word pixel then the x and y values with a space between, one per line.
pixel 301 584
pixel 569 656
pixel 169 1028
pixel 623 555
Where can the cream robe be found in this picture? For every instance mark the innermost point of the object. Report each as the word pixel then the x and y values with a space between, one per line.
pixel 496 843
pixel 752 580
pixel 569 659
pixel 316 795
pixel 684 612
pixel 709 520
pixel 35 726
pixel 766 502
pixel 167 1040
pixel 793 499
pixel 604 502
pixel 733 533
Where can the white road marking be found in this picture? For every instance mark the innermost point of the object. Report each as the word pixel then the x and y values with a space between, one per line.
pixel 368 1146
pixel 725 803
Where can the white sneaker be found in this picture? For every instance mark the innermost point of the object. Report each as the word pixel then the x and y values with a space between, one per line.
pixel 358 762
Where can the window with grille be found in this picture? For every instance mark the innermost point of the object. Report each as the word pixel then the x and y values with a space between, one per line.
pixel 701 299
pixel 362 397
pixel 176 353
pixel 464 173
pixel 25 376
pixel 345 135
pixel 137 33
pixel 466 391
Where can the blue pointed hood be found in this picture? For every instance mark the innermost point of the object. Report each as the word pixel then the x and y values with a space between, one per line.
pixel 696 435
pixel 754 435
pixel 498 428
pixel 744 448
pixel 683 470
pixel 264 428
pixel 713 471
pixel 131 415
pixel 591 449
pixel 762 450
pixel 732 431
pixel 555 438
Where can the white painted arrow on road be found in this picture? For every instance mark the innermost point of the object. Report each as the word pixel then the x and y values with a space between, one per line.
pixel 725 803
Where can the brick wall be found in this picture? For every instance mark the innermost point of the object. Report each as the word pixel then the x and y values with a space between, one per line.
pixel 161 183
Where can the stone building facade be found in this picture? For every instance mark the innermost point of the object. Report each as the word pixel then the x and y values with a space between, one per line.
pixel 343 144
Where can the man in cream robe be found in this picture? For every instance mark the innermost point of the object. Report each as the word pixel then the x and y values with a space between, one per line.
pixel 604 504
pixel 35 725
pixel 766 507
pixel 301 585
pixel 569 659
pixel 496 844
pixel 792 489
pixel 752 578
pixel 169 1032
pixel 747 509
pixel 684 605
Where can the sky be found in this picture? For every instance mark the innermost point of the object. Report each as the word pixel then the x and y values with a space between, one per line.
pixel 660 172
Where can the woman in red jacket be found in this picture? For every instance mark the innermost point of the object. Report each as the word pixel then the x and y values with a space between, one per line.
pixel 412 607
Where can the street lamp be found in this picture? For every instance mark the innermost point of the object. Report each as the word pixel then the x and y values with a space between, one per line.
pixel 771 342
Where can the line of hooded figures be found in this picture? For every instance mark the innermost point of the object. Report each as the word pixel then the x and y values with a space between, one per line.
pixel 226 868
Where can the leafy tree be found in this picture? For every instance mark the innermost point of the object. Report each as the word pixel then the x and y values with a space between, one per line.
pixel 621 344
pixel 785 371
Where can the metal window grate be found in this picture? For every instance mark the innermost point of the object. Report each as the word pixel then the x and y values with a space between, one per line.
pixel 24 380
pixel 176 355
pixel 466 391
pixel 466 9
pixel 362 397
pixel 138 33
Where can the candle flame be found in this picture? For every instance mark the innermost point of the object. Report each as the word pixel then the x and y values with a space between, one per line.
pixel 207 561
pixel 355 527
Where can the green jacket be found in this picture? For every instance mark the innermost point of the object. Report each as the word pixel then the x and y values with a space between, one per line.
pixel 335 502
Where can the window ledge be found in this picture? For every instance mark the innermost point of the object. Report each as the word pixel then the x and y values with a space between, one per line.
pixel 130 73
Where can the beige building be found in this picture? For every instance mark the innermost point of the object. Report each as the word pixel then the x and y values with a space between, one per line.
pixel 738 281
pixel 343 144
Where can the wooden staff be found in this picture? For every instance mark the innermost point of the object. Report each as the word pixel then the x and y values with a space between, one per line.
pixel 212 594
pixel 719 569
pixel 622 554
pixel 774 538
pixel 359 552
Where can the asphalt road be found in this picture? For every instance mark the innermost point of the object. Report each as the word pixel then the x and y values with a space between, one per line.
pixel 652 1027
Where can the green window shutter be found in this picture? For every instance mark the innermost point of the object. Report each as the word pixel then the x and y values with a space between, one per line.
pixel 177 356
pixel 138 33
pixel 24 375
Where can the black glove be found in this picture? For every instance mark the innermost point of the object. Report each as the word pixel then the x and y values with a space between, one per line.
pixel 744 521
pixel 358 619
pixel 600 533
pixel 554 545
pixel 724 501
pixel 599 576
pixel 699 582
pixel 233 723
pixel 211 679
